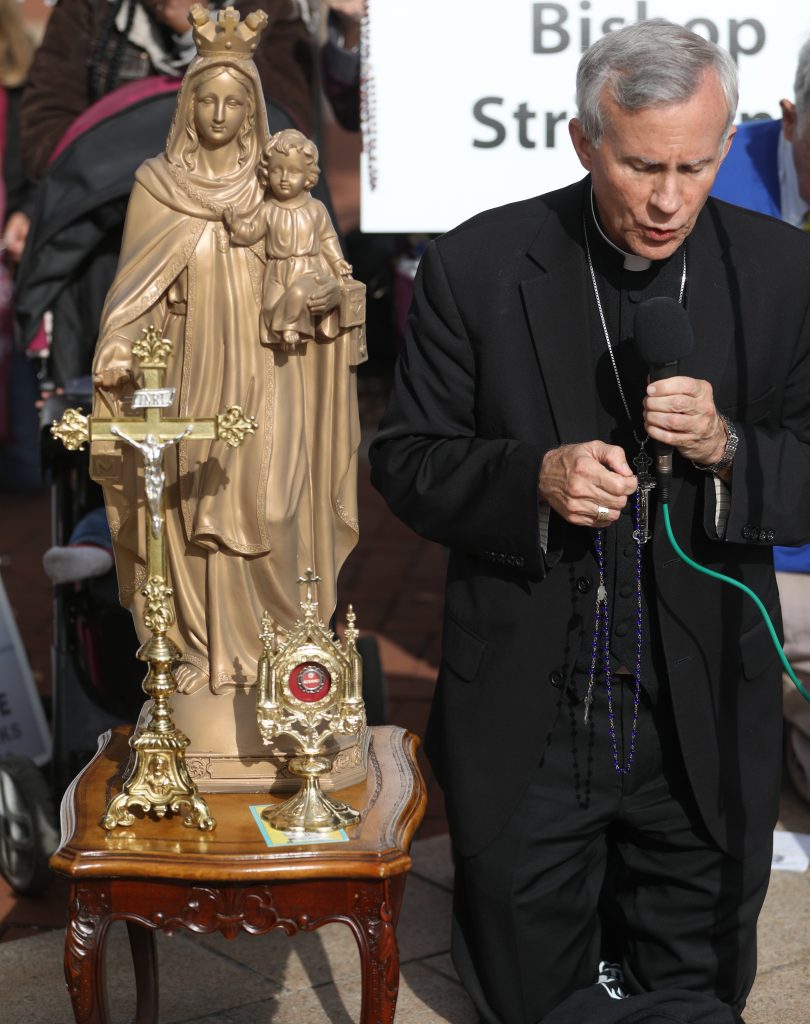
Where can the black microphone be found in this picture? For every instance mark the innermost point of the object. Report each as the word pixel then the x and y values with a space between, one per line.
pixel 663 336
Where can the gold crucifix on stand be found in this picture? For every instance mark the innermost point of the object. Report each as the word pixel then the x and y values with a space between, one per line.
pixel 158 780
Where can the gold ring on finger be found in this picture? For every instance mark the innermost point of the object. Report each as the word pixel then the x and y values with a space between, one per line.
pixel 602 513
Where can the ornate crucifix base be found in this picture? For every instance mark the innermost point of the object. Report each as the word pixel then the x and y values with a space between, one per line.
pixel 158 781
pixel 159 784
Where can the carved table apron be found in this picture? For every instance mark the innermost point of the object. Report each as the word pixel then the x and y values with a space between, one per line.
pixel 162 875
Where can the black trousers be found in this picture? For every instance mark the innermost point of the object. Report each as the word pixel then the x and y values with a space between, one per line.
pixel 594 865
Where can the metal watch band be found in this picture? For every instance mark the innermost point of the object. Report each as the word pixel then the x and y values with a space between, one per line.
pixel 730 450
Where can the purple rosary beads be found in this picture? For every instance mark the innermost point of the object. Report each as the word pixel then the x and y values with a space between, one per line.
pixel 601 630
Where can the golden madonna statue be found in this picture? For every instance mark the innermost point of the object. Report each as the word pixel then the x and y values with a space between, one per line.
pixel 242 525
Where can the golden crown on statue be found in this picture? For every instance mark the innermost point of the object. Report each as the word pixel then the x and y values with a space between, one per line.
pixel 227 34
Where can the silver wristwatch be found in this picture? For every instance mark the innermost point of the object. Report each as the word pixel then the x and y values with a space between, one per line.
pixel 730 450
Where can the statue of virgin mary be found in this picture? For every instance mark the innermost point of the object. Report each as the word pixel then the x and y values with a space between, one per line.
pixel 242 525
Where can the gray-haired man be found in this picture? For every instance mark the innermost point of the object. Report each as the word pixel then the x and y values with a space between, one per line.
pixel 607 723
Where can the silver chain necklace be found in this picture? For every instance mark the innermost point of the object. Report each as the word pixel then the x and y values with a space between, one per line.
pixel 607 336
pixel 642 461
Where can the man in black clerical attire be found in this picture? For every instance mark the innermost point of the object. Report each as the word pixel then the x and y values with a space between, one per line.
pixel 607 722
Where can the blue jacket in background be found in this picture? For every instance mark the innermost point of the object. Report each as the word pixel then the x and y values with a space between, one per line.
pixel 749 176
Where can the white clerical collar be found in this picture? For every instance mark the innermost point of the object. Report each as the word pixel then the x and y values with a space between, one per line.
pixel 631 261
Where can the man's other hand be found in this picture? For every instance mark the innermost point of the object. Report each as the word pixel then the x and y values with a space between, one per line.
pixel 587 484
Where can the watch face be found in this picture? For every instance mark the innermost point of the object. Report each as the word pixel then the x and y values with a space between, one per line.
pixel 310 682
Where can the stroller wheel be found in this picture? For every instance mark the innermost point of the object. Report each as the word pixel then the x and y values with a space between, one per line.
pixel 28 832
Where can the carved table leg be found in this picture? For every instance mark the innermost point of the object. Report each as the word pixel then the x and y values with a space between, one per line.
pixel 86 933
pixel 144 959
pixel 375 913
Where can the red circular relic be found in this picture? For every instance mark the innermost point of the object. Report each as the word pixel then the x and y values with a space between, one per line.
pixel 309 682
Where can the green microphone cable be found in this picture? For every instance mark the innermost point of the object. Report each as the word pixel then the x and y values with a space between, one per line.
pixel 740 586
pixel 663 336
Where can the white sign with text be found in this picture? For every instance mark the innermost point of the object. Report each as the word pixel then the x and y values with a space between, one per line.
pixel 464 112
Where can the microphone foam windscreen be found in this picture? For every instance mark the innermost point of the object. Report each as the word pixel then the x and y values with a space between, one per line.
pixel 662 331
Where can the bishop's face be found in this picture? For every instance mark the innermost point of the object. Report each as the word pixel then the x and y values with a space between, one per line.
pixel 220 106
pixel 653 168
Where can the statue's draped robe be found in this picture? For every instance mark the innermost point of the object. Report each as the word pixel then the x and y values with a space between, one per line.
pixel 242 524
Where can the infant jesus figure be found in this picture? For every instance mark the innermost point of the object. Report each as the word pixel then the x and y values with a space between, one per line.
pixel 302 280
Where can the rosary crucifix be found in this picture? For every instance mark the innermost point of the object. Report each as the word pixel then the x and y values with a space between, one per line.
pixel 646 482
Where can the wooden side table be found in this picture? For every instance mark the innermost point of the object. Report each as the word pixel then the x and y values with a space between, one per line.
pixel 162 875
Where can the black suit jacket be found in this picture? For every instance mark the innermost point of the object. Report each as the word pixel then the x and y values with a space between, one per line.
pixel 497 368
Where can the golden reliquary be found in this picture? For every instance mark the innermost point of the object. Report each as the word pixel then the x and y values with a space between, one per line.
pixel 310 688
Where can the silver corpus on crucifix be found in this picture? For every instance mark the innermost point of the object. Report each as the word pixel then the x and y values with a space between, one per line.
pixel 642 461
pixel 151 448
